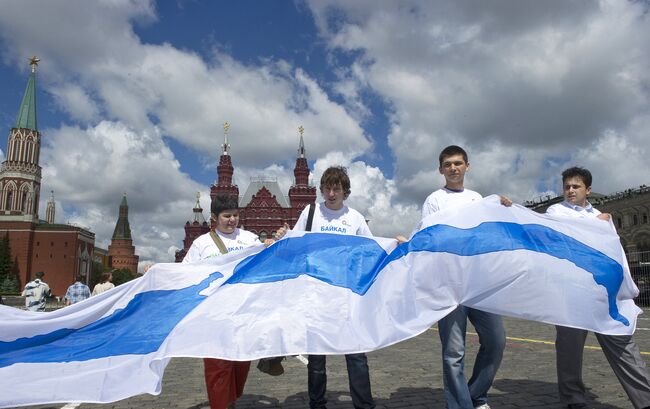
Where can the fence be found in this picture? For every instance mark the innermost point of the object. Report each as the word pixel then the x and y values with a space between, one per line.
pixel 640 268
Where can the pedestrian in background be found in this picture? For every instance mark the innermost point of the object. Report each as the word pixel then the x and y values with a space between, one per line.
pixel 36 293
pixel 105 284
pixel 77 291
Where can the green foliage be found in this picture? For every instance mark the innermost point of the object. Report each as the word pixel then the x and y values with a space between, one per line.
pixel 8 280
pixel 96 273
pixel 9 285
pixel 123 275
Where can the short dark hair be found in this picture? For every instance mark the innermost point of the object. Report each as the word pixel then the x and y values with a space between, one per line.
pixel 80 278
pixel 105 277
pixel 336 175
pixel 452 150
pixel 39 274
pixel 579 172
pixel 221 203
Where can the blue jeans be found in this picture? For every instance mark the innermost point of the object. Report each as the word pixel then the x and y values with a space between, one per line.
pixel 358 377
pixel 492 337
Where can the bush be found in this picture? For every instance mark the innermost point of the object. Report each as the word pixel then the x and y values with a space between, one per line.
pixel 123 275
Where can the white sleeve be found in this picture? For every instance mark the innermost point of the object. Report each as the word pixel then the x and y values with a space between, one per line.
pixel 301 224
pixel 363 229
pixel 428 207
pixel 193 254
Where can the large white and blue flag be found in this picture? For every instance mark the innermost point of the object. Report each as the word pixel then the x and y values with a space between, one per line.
pixel 319 293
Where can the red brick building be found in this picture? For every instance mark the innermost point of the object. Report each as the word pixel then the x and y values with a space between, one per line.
pixel 61 251
pixel 263 209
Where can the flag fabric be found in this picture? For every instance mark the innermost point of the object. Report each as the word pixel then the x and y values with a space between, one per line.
pixel 319 293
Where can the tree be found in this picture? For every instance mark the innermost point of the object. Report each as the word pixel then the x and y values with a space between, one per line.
pixel 5 257
pixel 123 275
pixel 8 280
pixel 96 274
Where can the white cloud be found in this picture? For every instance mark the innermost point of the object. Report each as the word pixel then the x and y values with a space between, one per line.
pixel 519 84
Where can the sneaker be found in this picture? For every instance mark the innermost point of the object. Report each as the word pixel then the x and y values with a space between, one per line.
pixel 483 406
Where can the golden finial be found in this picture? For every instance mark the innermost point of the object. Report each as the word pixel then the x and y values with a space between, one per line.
pixel 301 130
pixel 226 127
pixel 33 61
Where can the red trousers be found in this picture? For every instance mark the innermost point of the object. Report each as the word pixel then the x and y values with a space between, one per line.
pixel 224 380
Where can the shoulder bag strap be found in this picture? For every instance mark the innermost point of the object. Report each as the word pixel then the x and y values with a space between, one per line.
pixel 310 216
pixel 217 240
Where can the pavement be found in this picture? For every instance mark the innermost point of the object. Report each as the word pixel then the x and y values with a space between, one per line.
pixel 407 375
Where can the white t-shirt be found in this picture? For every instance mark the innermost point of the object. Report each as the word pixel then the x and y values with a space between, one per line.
pixel 102 287
pixel 343 221
pixel 567 209
pixel 204 247
pixel 444 198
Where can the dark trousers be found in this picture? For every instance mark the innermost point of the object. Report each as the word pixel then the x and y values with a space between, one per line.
pixel 623 356
pixel 358 377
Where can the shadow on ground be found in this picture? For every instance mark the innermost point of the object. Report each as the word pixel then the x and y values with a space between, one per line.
pixel 507 393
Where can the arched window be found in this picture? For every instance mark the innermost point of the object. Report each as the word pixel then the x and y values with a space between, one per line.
pixel 9 200
pixel 23 201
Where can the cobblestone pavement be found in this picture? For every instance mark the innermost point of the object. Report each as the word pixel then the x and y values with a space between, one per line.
pixel 408 375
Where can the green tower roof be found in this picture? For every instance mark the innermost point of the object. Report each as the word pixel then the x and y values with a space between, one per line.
pixel 27 114
pixel 122 229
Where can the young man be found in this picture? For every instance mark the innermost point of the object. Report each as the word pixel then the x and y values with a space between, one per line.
pixel 620 350
pixel 77 291
pixel 459 393
pixel 224 379
pixel 332 216
pixel 36 293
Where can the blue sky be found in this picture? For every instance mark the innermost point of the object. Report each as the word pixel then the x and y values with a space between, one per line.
pixel 132 95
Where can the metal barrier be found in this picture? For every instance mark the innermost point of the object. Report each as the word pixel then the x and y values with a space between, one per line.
pixel 639 263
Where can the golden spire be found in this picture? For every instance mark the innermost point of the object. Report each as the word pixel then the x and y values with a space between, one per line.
pixel 33 61
pixel 301 147
pixel 226 129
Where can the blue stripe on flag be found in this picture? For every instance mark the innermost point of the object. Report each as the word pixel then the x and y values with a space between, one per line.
pixel 138 328
pixel 345 261
pixel 492 237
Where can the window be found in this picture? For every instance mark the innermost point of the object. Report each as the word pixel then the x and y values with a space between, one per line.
pixel 635 220
pixel 619 222
pixel 645 218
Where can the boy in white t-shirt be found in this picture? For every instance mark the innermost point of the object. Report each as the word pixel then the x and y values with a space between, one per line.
pixel 459 393
pixel 332 216
pixel 621 351
pixel 224 379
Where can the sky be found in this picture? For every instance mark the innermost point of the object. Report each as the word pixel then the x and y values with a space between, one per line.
pixel 132 97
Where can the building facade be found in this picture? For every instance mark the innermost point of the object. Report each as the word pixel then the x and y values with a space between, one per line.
pixel 263 208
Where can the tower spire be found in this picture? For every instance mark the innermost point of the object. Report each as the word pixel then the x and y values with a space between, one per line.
pixel 27 114
pixel 226 145
pixel 301 146
pixel 20 174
